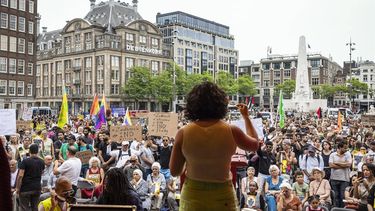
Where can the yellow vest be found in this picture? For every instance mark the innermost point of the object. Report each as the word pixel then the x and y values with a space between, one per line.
pixel 47 204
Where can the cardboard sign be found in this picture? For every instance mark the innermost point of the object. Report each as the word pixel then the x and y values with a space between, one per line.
pixel 257 123
pixel 162 124
pixel 84 156
pixel 121 133
pixel 368 120
pixel 8 121
pixel 24 125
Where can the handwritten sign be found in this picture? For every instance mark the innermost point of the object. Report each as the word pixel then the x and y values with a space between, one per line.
pixel 121 133
pixel 368 119
pixel 162 124
pixel 27 114
pixel 24 125
pixel 8 121
pixel 257 123
pixel 84 156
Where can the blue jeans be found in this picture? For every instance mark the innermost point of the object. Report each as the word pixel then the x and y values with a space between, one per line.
pixel 339 188
pixel 166 173
pixel 271 202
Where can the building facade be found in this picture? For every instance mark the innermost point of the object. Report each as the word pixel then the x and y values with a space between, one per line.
pixel 95 55
pixel 199 45
pixel 18 20
pixel 276 69
pixel 365 73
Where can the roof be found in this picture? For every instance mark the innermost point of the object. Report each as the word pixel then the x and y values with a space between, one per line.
pixel 49 36
pixel 111 14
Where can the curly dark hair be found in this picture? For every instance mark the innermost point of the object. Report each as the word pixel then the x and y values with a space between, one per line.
pixel 206 101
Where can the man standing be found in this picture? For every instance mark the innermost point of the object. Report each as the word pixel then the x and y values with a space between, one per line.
pixel 64 148
pixel 70 168
pixel 340 162
pixel 266 159
pixel 58 143
pixel 28 182
pixel 86 136
pixel 165 152
pixel 309 161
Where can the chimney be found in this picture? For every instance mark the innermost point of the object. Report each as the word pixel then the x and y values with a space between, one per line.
pixel 135 5
pixel 92 4
pixel 38 18
pixel 44 29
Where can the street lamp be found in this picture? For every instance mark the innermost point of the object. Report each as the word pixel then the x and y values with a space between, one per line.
pixel 351 48
pixel 174 100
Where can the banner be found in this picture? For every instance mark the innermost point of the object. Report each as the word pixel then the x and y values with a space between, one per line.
pixel 121 133
pixel 118 111
pixel 27 114
pixel 84 156
pixel 162 124
pixel 8 121
pixel 24 125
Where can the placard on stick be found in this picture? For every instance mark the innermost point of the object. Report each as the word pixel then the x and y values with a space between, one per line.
pixel 162 124
pixel 24 125
pixel 84 156
pixel 121 133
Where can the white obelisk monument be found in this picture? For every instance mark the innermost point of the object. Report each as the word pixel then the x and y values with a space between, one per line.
pixel 302 99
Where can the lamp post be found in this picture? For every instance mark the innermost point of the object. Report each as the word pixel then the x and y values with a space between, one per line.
pixel 351 48
pixel 174 97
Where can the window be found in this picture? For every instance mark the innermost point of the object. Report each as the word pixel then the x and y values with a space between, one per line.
pixel 3 65
pixel 266 66
pixel 31 27
pixel 266 74
pixel 115 75
pixel 30 48
pixel 21 5
pixel 100 74
pixel 315 63
pixel 315 72
pixel 276 82
pixel 129 37
pixel 315 81
pixel 21 24
pixel 4 21
pixel 88 90
pixel 155 42
pixel 88 63
pixel 154 67
pixel 20 88
pixel 115 89
pixel 13 44
pixel 30 69
pixel 13 4
pixel 12 87
pixel 277 74
pixel 266 92
pixel 12 65
pixel 4 43
pixel 3 87
pixel 21 66
pixel 29 89
pixel 287 73
pixel 365 78
pixel 4 3
pixel 142 39
pixel 287 65
pixel 31 6
pixel 266 83
pixel 276 66
pixel 99 88
pixel 13 22
pixel 88 76
pixel 115 61
pixel 21 45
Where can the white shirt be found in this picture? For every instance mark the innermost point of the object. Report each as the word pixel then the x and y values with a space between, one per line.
pixel 122 159
pixel 13 178
pixel 71 169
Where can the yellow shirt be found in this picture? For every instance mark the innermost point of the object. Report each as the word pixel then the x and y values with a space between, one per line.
pixel 47 204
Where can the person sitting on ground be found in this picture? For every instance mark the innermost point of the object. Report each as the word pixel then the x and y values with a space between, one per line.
pixel 94 174
pixel 300 188
pixel 174 193
pixel 117 190
pixel 254 200
pixel 320 187
pixel 141 187
pixel 133 164
pixel 287 201
pixel 272 187
pixel 314 204
pixel 60 197
pixel 157 185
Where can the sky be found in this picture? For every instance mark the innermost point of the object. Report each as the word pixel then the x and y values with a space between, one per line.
pixel 256 24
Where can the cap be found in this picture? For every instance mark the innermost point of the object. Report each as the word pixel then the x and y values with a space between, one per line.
pixel 311 149
pixel 125 143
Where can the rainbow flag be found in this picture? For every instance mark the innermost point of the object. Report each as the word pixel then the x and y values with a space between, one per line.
pixel 127 120
pixel 100 117
pixel 95 106
pixel 63 116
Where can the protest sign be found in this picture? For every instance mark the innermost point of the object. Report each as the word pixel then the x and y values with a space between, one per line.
pixel 84 156
pixel 27 114
pixel 368 120
pixel 8 121
pixel 24 125
pixel 121 133
pixel 162 124
pixel 257 123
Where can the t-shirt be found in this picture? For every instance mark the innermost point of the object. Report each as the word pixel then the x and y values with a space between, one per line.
pixel 300 190
pixel 106 149
pixel 124 157
pixel 71 169
pixel 340 174
pixel 33 167
pixel 165 155
pixel 265 161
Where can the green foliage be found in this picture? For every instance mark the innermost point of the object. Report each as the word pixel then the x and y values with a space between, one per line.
pixel 288 88
pixel 139 84
pixel 194 79
pixel 162 87
pixel 226 81
pixel 356 87
pixel 246 86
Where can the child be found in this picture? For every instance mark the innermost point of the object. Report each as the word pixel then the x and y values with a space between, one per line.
pixel 314 204
pixel 300 188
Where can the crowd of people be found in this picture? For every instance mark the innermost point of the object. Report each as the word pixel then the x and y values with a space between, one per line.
pixel 311 164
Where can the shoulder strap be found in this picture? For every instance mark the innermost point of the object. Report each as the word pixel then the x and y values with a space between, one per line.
pixel 119 154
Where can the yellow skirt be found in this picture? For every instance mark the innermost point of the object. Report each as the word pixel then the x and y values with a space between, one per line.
pixel 205 196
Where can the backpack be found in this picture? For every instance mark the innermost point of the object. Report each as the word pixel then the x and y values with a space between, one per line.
pixel 120 153
pixel 317 156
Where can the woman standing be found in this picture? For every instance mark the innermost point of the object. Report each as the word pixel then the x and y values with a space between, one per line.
pixel 205 147
pixel 327 150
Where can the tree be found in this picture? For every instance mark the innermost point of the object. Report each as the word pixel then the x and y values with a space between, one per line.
pixel 162 87
pixel 139 84
pixel 194 79
pixel 355 87
pixel 246 86
pixel 226 82
pixel 288 88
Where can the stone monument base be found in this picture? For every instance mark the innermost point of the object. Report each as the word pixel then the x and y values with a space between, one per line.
pixel 304 105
